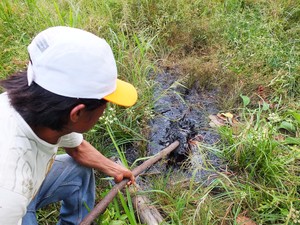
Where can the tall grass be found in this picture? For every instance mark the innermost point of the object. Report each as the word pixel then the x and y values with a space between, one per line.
pixel 262 44
pixel 234 46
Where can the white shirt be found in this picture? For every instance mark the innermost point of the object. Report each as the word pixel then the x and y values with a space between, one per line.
pixel 25 159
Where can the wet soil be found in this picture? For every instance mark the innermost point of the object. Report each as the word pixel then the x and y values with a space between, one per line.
pixel 182 114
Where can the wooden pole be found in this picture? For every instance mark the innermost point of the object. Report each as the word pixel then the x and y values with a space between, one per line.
pixel 101 206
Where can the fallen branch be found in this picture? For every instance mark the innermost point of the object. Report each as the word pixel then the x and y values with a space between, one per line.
pixel 101 206
pixel 148 213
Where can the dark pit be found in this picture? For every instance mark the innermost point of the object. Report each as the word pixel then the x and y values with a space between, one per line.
pixel 181 114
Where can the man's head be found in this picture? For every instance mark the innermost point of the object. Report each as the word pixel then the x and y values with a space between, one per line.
pixel 42 108
pixel 71 75
pixel 75 63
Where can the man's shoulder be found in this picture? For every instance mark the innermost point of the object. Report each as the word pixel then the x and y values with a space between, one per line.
pixel 7 117
pixel 9 128
pixel 5 106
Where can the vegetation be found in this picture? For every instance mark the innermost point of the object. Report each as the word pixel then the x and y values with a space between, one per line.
pixel 247 49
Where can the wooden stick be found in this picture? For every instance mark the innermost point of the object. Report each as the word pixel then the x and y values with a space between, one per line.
pixel 101 206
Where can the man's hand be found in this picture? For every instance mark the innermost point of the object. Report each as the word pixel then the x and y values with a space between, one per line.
pixel 125 173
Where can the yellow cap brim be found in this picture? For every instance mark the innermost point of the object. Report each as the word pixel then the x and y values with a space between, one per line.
pixel 124 95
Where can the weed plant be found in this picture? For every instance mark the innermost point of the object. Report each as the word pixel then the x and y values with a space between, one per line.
pixel 263 150
pixel 239 47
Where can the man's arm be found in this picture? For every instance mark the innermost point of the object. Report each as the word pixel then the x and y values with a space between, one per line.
pixel 85 154
pixel 12 207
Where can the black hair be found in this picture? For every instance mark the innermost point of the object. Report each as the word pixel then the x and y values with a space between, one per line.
pixel 40 107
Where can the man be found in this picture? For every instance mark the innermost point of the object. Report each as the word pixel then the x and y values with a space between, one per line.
pixel 71 76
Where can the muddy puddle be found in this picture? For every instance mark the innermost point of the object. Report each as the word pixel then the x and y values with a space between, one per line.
pixel 182 114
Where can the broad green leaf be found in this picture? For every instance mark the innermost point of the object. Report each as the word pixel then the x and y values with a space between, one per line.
pixel 287 126
pixel 266 106
pixel 292 141
pixel 246 100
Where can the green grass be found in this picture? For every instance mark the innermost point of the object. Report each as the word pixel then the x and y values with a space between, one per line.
pixel 240 47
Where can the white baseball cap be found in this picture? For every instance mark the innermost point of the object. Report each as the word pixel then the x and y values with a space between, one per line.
pixel 75 63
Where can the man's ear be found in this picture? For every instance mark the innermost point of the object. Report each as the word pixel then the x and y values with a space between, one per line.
pixel 76 112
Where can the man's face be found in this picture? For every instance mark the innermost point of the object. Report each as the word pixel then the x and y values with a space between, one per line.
pixel 88 119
